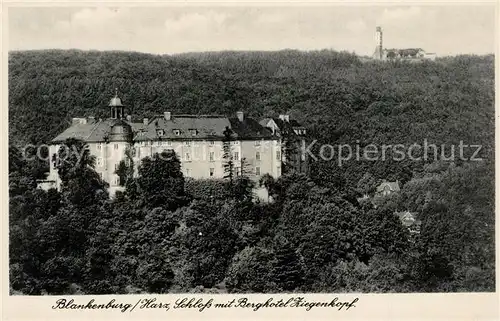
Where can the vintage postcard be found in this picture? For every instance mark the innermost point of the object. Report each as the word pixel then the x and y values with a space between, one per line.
pixel 203 160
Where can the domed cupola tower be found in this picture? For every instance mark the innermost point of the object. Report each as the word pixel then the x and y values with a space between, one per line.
pixel 116 107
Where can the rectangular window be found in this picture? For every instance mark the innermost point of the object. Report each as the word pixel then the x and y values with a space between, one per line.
pixel 116 180
pixel 99 146
pixel 278 169
pixel 138 152
pixel 116 146
pixel 278 155
pixel 188 143
pixel 257 171
pixel 188 157
pixel 212 142
pixel 99 161
pixel 188 172
pixel 169 143
pixel 257 143
pixel 211 156
pixel 116 167
pixel 236 142
pixel 212 170
pixel 257 156
pixel 237 171
pixel 236 156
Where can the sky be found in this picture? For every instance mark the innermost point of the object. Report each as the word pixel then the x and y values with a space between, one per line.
pixel 445 30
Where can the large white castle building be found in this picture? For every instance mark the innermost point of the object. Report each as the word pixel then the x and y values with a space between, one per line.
pixel 256 148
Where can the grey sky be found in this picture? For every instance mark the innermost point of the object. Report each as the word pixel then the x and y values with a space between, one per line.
pixel 445 30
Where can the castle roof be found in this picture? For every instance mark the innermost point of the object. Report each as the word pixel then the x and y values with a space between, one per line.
pixel 282 124
pixel 92 130
pixel 182 127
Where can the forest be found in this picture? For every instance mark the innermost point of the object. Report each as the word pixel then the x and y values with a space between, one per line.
pixel 188 235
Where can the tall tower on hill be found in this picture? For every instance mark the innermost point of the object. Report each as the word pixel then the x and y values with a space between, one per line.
pixel 379 44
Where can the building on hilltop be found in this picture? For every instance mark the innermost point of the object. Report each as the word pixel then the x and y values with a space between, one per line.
pixel 407 54
pixel 410 54
pixel 197 141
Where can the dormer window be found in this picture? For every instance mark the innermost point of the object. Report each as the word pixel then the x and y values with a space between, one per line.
pixel 193 132
pixel 177 132
pixel 160 132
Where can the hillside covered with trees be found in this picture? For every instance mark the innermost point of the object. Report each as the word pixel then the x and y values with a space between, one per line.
pixel 315 236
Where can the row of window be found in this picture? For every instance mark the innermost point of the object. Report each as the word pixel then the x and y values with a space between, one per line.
pixel 236 156
pixel 211 157
pixel 237 170
pixel 177 132
pixel 99 146
pixel 169 143
pixel 116 179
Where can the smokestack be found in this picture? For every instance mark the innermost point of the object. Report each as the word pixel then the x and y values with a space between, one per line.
pixel 145 121
pixel 240 116
pixel 167 115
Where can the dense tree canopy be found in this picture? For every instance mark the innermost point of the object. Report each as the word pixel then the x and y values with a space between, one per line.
pixel 166 233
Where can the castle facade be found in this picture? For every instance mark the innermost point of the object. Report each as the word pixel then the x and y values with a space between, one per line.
pixel 255 148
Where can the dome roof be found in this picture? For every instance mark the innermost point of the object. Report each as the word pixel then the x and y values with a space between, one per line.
pixel 115 101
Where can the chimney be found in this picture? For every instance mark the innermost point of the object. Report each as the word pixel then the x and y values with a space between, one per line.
pixel 129 118
pixel 240 115
pixel 145 121
pixel 167 115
